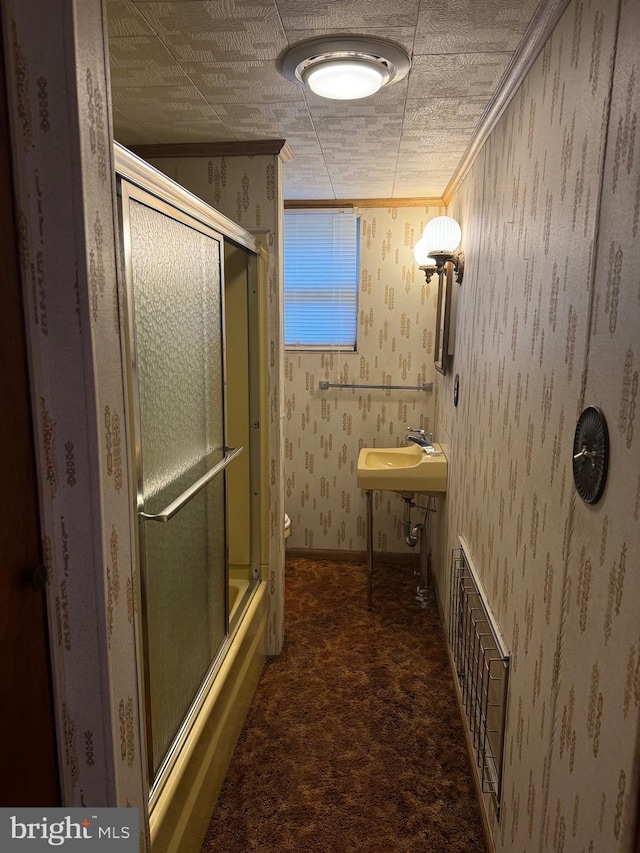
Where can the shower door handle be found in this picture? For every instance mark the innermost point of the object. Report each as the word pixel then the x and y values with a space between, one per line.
pixel 175 506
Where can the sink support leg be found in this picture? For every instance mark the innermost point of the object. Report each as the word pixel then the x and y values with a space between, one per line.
pixel 425 527
pixel 369 494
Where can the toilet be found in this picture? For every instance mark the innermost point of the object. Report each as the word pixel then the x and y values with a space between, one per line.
pixel 287 526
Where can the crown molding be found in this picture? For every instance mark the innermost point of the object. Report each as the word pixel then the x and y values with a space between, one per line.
pixel 310 203
pixel 242 148
pixel 534 39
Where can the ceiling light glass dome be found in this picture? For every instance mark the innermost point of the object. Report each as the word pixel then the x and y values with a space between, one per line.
pixel 345 67
pixel 344 80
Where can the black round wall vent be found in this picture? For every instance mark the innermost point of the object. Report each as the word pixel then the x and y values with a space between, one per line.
pixel 591 455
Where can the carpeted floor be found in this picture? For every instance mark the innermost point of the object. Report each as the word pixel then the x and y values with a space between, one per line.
pixel 353 740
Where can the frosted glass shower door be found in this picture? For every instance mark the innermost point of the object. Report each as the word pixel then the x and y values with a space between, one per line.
pixel 176 314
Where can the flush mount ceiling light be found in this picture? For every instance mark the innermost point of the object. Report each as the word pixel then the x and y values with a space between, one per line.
pixel 345 68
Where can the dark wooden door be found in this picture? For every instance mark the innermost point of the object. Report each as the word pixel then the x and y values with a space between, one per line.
pixel 29 774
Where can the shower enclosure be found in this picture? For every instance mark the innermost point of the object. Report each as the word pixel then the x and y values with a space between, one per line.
pixel 191 333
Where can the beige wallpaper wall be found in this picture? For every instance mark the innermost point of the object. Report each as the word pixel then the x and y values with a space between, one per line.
pixel 61 127
pixel 324 430
pixel 249 191
pixel 549 322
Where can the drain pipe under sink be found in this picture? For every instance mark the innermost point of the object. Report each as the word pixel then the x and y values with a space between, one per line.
pixel 412 535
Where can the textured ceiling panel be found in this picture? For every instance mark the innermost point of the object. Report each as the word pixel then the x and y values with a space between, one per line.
pixel 218 32
pixel 265 121
pixel 210 71
pixel 402 36
pixel 134 132
pixel 318 15
pixel 416 184
pixel 462 76
pixel 178 130
pixel 147 103
pixel 432 140
pixel 243 82
pixel 143 61
pixel 469 26
pixel 124 19
pixel 452 113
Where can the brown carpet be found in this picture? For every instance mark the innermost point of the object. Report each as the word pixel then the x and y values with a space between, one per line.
pixel 353 740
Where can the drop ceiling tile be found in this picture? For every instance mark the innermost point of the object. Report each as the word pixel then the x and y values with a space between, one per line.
pixel 231 31
pixel 265 121
pixel 443 161
pixel 421 189
pixel 149 103
pixel 319 14
pixel 362 168
pixel 129 132
pixel 421 183
pixel 374 157
pixel 143 61
pixel 367 188
pixel 243 82
pixel 310 166
pixel 469 27
pixel 402 36
pixel 304 144
pixel 173 129
pixel 447 113
pixel 124 19
pixel 355 132
pixel 434 140
pixel 308 189
pixel 360 183
pixel 462 76
pixel 307 177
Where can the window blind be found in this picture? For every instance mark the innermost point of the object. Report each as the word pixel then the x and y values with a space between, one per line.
pixel 321 250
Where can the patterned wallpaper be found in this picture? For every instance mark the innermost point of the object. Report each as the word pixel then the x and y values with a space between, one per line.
pixel 548 323
pixel 58 92
pixel 324 430
pixel 249 191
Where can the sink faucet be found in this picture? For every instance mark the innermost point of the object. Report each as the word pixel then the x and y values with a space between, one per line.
pixel 424 439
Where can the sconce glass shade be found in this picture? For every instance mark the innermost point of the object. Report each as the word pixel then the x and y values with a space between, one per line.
pixel 344 80
pixel 421 254
pixel 442 234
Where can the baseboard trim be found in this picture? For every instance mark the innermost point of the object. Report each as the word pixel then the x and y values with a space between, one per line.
pixel 352 556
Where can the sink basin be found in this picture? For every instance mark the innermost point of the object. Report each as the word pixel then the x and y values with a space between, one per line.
pixel 408 470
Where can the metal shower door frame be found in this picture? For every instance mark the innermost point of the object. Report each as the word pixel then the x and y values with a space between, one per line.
pixel 138 181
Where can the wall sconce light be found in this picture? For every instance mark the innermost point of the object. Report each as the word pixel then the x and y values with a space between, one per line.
pixel 436 252
pixel 345 68
pixel 440 239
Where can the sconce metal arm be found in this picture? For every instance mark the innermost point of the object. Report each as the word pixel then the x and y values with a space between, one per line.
pixel 442 258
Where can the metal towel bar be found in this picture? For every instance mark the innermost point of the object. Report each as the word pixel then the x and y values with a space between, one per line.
pixel 175 506
pixel 428 386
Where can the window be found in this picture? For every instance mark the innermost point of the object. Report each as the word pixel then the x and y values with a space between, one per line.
pixel 321 250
